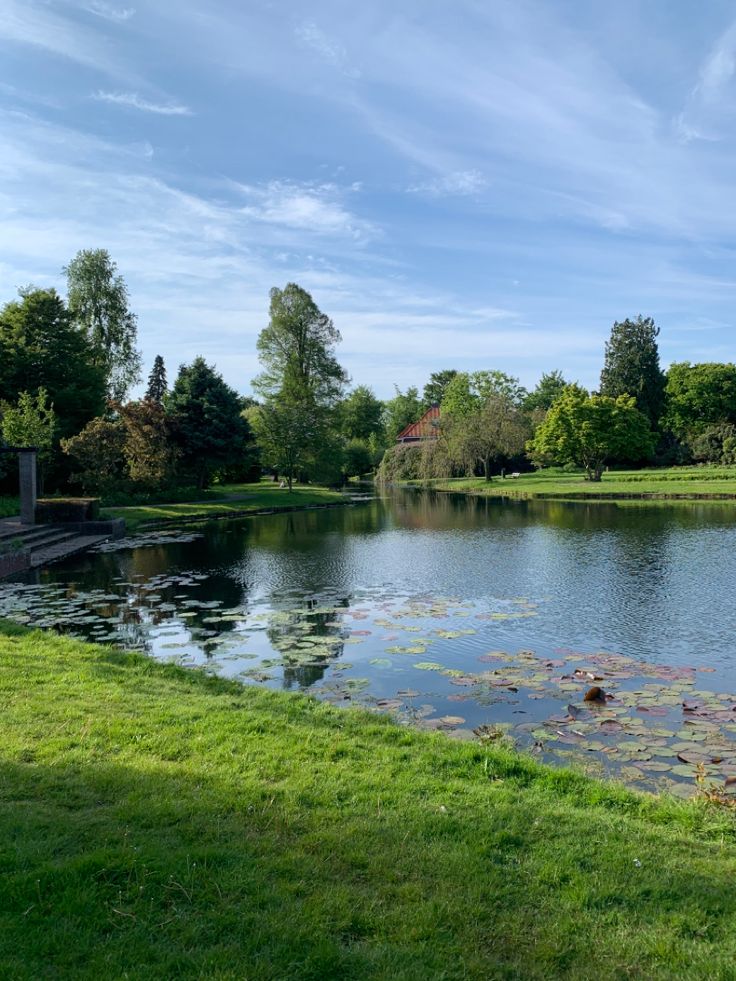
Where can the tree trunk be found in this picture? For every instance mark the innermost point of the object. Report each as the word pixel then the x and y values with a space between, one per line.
pixel 289 478
pixel 487 468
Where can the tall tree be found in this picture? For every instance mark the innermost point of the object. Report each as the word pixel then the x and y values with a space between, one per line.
pixel 434 390
pixel 632 366
pixel 30 422
pixel 157 386
pixel 98 303
pixel 40 348
pixel 296 350
pixel 467 392
pixel 587 430
pixel 361 414
pixel 207 421
pixel 549 388
pixel 301 383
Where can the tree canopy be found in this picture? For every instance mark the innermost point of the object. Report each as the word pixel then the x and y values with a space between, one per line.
pixel 699 397
pixel 587 430
pixel 434 390
pixel 206 420
pixel 296 350
pixel 631 366
pixel 40 348
pixel 157 386
pixel 98 304
pixel 548 389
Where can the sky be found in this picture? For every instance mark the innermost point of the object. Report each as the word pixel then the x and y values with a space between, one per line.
pixel 459 184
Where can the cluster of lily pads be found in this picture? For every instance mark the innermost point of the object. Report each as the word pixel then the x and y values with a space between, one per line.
pixel 424 659
pixel 147 540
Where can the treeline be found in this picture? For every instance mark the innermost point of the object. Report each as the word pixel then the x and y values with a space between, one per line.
pixel 68 364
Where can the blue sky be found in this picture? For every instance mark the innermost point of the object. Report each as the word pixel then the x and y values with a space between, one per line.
pixel 459 184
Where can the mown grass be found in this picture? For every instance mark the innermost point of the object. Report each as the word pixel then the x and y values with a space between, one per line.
pixel 224 499
pixel 158 823
pixel 672 482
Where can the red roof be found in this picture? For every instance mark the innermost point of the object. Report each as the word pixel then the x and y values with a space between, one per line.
pixel 425 428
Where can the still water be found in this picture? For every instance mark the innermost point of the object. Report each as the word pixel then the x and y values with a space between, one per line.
pixel 477 617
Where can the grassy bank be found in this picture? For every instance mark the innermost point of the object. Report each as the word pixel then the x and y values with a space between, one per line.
pixel 157 823
pixel 672 482
pixel 226 499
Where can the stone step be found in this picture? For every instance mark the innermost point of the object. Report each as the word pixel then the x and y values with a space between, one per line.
pixel 51 538
pixel 64 549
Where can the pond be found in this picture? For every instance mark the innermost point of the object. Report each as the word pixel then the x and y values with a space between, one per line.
pixel 483 618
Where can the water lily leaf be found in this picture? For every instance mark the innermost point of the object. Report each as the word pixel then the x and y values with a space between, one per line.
pixel 429 666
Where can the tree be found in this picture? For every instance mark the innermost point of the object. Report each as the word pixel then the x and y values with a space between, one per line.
pixel 301 385
pixel 285 434
pixel 98 304
pixel 361 415
pixel 496 430
pixel 30 422
pixel 434 390
pixel 358 458
pixel 297 350
pixel 400 411
pixel 587 430
pixel 157 387
pixel 98 454
pixel 468 391
pixel 206 420
pixel 549 388
pixel 699 397
pixel 149 451
pixel 632 366
pixel 716 445
pixel 41 349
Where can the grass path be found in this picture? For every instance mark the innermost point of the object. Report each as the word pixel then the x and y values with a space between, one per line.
pixel 157 823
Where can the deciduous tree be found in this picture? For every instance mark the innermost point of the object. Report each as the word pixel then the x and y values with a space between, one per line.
pixel 98 304
pixel 587 430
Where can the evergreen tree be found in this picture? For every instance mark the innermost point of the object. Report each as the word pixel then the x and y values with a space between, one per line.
pixel 632 366
pixel 207 422
pixel 157 386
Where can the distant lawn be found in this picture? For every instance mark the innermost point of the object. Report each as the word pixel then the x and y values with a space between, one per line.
pixel 157 823
pixel 223 499
pixel 656 483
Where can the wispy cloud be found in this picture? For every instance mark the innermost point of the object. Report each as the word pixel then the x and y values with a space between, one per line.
pixel 460 182
pixel 109 12
pixel 710 103
pixel 131 100
pixel 32 23
pixel 329 49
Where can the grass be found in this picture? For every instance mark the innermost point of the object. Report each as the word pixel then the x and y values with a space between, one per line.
pixel 671 482
pixel 159 823
pixel 224 499
pixel 9 507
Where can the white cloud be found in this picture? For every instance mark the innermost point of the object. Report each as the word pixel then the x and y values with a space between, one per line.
pixel 132 100
pixel 315 208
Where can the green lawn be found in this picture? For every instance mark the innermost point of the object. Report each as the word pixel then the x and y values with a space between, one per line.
pixel 655 483
pixel 157 823
pixel 226 499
